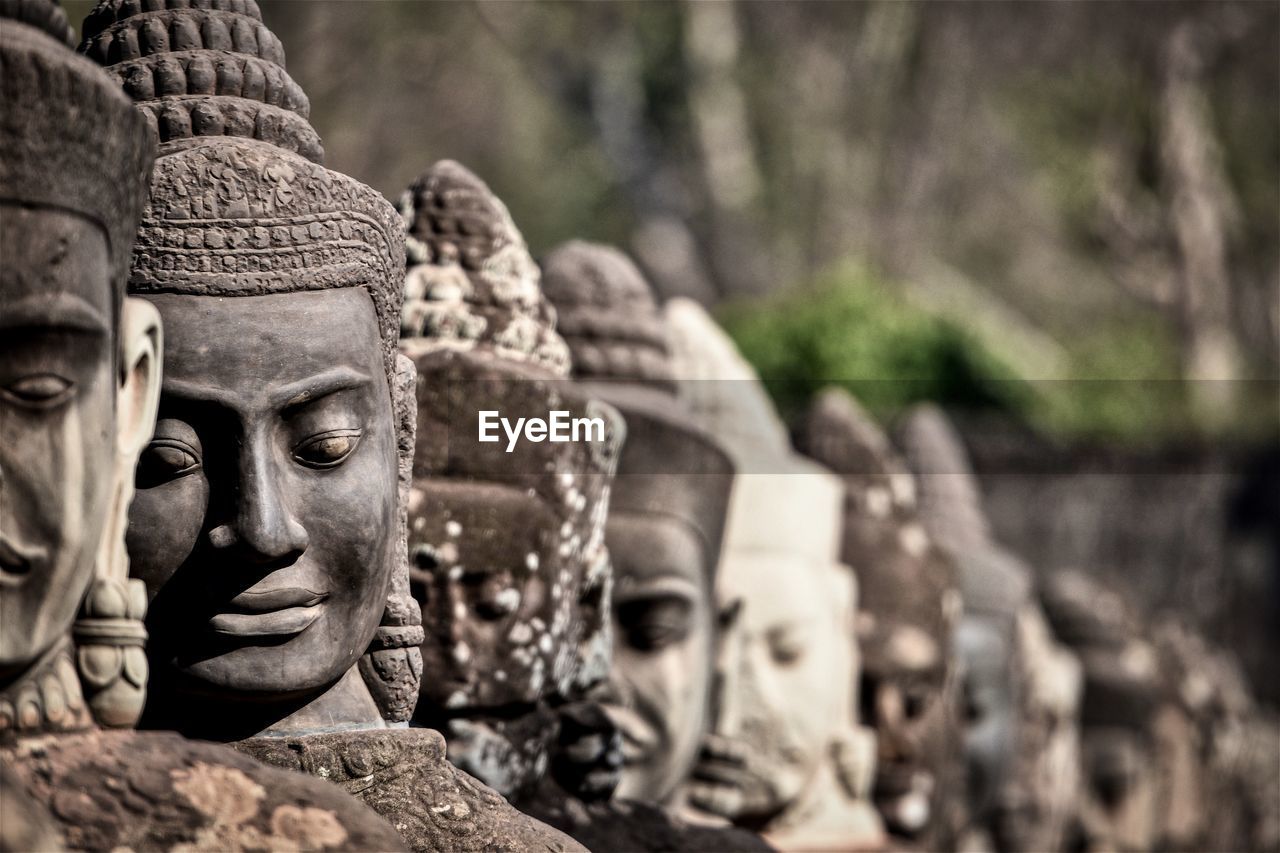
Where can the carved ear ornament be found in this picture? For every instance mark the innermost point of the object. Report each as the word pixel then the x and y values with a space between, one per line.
pixel 110 659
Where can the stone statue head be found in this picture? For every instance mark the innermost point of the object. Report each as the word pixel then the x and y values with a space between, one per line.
pixel 269 521
pixel 791 632
pixel 79 375
pixel 907 611
pixel 507 548
pixel 665 521
pixel 1123 690
pixel 1021 695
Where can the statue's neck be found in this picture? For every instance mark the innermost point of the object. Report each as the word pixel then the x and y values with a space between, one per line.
pixel 347 704
pixel 46 697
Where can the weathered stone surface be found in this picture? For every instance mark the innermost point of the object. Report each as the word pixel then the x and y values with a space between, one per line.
pixel 404 776
pixel 510 566
pixel 629 825
pixel 158 791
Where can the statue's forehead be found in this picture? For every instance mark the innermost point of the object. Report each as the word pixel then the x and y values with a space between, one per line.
pixel 251 341
pixel 55 261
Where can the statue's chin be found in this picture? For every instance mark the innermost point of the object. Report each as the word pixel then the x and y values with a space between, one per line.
pixel 264 672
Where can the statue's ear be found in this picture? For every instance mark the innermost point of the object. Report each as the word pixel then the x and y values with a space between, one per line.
pixel 138 393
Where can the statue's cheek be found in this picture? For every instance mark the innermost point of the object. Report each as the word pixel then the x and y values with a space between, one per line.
pixel 164 528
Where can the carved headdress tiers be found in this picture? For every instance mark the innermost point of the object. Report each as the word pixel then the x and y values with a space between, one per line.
pixel 619 342
pixel 472 284
pixel 240 206
pixel 202 68
pixel 607 313
pixel 71 140
pixel 902 575
pixel 483 335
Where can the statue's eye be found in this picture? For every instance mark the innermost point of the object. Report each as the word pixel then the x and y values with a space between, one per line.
pixel 786 645
pixel 41 390
pixel 653 623
pixel 328 449
pixel 165 459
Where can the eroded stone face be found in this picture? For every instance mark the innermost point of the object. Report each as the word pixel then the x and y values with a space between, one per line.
pixel 664 634
pixel 57 423
pixel 265 520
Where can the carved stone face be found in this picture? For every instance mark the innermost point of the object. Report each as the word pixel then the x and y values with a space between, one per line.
pixel 265 519
pixel 904 698
pixel 791 638
pixel 664 634
pixel 990 708
pixel 57 422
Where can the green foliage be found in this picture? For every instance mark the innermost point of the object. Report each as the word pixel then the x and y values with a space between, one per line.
pixel 850 329
pixel 1124 386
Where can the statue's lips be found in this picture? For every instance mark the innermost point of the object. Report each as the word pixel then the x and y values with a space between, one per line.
pixel 639 740
pixel 17 562
pixel 270 613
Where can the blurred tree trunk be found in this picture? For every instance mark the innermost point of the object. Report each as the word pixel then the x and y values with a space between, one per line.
pixel 1202 211
pixel 740 243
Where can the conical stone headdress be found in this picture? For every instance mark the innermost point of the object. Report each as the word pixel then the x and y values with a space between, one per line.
pixel 618 338
pixel 241 206
pixel 790 505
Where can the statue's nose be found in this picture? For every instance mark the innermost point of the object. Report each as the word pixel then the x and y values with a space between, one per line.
pixel 264 529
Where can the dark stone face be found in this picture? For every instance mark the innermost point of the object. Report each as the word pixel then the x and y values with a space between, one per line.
pixel 662 651
pixel 57 423
pixel 905 693
pixel 265 519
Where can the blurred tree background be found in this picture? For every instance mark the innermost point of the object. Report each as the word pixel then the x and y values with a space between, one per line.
pixel 1047 191
pixel 1065 211
pixel 981 192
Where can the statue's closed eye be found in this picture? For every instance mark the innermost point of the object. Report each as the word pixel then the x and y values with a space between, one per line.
pixel 166 459
pixel 39 391
pixel 653 622
pixel 328 449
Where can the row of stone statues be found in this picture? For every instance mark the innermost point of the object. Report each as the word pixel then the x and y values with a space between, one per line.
pixel 261 588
